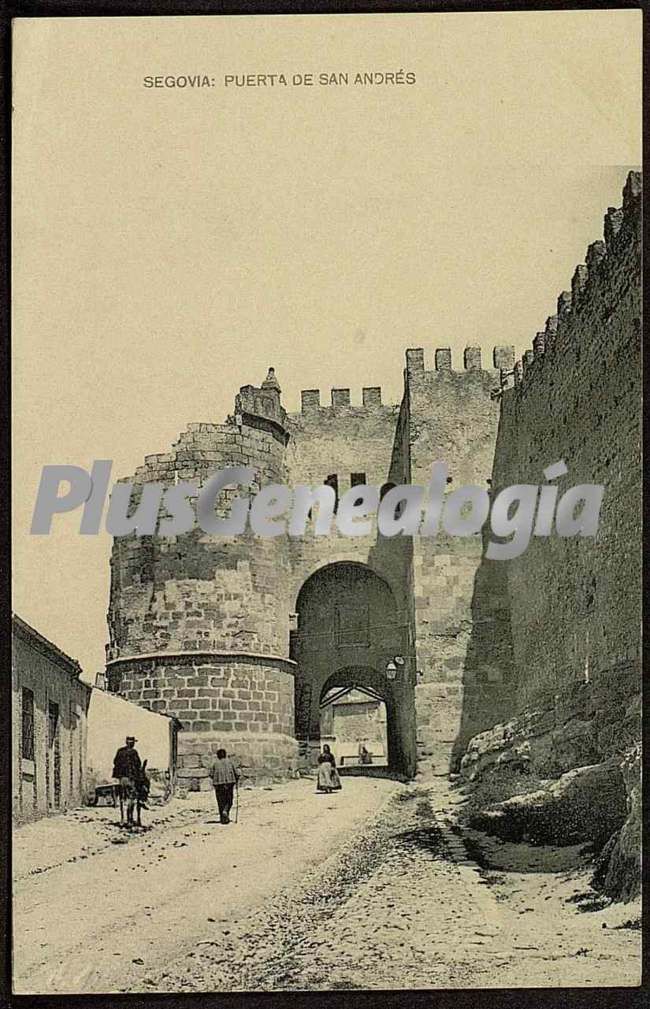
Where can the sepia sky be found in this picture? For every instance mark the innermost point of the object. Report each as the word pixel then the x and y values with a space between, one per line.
pixel 169 245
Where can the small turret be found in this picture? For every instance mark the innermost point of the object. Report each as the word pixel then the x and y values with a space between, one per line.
pixel 255 406
pixel 271 382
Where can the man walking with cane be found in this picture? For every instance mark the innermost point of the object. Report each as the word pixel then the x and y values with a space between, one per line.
pixel 224 778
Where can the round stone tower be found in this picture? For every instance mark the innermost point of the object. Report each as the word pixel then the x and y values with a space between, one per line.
pixel 199 623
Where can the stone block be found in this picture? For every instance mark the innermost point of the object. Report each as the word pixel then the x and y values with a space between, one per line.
pixel 371 396
pixel 340 397
pixel 443 359
pixel 472 358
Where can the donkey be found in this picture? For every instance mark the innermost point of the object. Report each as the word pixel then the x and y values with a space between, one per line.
pixel 134 798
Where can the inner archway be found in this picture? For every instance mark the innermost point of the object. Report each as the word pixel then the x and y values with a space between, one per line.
pixel 349 632
pixel 373 723
pixel 353 722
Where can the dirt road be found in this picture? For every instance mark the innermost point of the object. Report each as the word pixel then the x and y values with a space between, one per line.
pixel 371 888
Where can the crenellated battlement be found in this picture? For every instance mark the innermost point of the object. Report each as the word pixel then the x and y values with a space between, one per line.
pixel 310 399
pixel 503 358
pixel 591 285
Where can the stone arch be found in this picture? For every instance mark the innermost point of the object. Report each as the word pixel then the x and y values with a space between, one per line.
pixel 367 676
pixel 348 619
pixel 339 558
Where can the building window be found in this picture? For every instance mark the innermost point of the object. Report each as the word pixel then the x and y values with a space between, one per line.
pixel 333 482
pixel 355 480
pixel 27 739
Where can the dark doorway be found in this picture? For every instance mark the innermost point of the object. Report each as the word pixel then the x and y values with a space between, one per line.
pixel 53 756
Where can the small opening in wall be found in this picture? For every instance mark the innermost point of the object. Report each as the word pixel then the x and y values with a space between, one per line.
pixel 333 482
pixel 27 736
pixel 356 479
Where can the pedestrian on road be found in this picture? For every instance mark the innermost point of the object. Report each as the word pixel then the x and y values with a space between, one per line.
pixel 127 768
pixel 328 777
pixel 224 778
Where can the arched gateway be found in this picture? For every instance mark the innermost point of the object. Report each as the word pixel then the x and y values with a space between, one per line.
pixel 201 626
pixel 349 632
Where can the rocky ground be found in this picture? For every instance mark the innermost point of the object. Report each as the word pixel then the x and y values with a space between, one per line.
pixel 375 887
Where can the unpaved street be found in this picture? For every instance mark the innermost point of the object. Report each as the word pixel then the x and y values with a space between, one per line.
pixel 371 888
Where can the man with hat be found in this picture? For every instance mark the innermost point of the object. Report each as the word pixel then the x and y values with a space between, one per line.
pixel 127 768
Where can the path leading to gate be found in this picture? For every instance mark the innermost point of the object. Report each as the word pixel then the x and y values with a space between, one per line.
pixel 93 915
pixel 376 887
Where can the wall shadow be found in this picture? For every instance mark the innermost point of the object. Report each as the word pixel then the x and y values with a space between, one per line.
pixel 489 682
pixel 372 771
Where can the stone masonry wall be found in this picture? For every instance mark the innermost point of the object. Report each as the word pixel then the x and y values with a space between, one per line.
pixel 217 699
pixel 576 602
pixel 354 723
pixel 342 439
pixel 260 758
pixel 200 591
pixel 453 418
pixel 36 666
pixel 199 622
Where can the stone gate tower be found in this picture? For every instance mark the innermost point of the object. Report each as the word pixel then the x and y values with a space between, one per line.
pixel 198 622
pixel 241 638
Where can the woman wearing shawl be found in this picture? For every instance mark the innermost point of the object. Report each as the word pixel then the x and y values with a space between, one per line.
pixel 328 776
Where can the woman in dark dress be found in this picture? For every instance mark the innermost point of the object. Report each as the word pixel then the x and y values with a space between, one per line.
pixel 328 776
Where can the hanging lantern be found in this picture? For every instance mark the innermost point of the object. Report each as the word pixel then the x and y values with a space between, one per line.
pixel 391 670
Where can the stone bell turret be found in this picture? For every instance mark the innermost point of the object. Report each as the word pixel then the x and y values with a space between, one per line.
pixel 271 382
pixel 262 402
